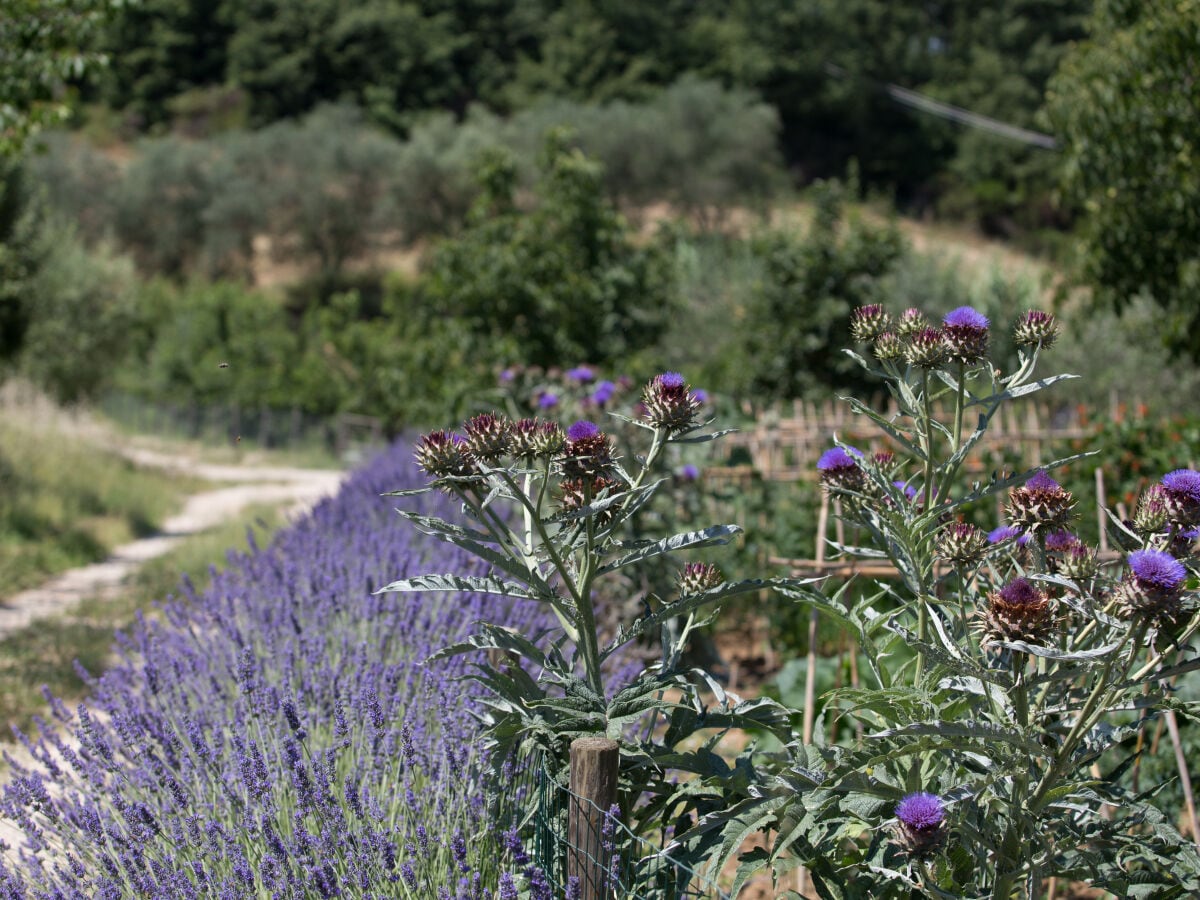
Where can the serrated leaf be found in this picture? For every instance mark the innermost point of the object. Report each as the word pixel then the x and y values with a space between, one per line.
pixel 708 537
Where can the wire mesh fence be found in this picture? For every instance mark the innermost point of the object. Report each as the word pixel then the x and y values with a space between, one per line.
pixel 584 852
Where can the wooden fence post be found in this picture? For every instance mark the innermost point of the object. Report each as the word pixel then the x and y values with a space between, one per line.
pixel 594 762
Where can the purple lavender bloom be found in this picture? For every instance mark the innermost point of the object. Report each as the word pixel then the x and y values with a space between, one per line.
pixel 1157 570
pixel 920 811
pixel 582 374
pixel 240 705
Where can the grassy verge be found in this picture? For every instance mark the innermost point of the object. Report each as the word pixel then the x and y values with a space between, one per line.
pixel 44 653
pixel 65 502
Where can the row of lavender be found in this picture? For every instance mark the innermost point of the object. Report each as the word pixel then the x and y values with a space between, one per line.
pixel 278 735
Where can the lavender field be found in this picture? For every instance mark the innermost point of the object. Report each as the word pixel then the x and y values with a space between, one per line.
pixel 278 734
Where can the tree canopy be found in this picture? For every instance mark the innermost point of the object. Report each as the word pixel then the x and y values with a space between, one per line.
pixel 1126 105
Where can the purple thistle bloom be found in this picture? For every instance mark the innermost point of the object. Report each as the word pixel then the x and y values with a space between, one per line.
pixel 1183 484
pixel 581 374
pixel 1004 533
pixel 582 430
pixel 701 395
pixel 1040 481
pixel 603 392
pixel 1061 541
pixel 907 489
pixel 689 473
pixel 671 380
pixel 1021 592
pixel 921 811
pixel 1157 570
pixel 547 400
pixel 838 458
pixel 965 317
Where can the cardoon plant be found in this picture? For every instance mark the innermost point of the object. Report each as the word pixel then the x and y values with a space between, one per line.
pixel 556 520
pixel 1005 674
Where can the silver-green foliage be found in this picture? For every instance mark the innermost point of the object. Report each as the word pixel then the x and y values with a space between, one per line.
pixel 1021 740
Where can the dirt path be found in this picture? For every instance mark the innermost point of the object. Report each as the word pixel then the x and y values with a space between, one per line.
pixel 295 488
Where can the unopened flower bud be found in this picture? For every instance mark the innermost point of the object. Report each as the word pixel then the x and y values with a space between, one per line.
pixel 927 349
pixel 586 452
pixel 868 322
pixel 488 437
pixel 669 403
pixel 911 321
pixel 1151 513
pixel 695 578
pixel 443 454
pixel 1041 504
pixel 533 437
pixel 961 543
pixel 576 493
pixel 1036 328
pixel 1017 612
pixel 1079 562
pixel 888 346
pixel 966 335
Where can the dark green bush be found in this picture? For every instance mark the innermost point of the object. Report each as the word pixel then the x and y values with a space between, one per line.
pixel 789 338
pixel 565 280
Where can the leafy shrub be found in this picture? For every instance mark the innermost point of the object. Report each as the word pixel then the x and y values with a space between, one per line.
pixel 71 360
pixel 328 186
pixel 565 280
pixel 160 204
pixel 787 339
pixel 79 182
pixel 279 732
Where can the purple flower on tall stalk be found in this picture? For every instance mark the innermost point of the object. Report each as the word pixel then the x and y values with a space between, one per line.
pixel 1019 611
pixel 547 400
pixel 603 392
pixel 669 403
pixel 1156 570
pixel 921 824
pixel 838 468
pixel 1004 533
pixel 1153 590
pixel 1182 494
pixel 966 334
pixel 582 374
pixel 1036 328
pixel 587 453
pixel 1060 541
pixel 1041 504
pixel 689 472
